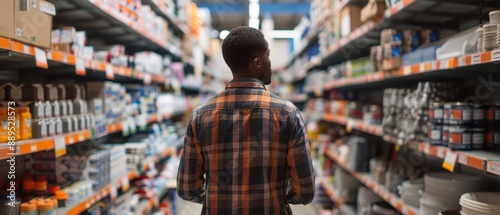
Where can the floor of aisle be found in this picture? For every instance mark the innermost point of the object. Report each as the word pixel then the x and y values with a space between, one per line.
pixel 188 208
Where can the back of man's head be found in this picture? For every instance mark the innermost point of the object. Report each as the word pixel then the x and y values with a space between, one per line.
pixel 241 45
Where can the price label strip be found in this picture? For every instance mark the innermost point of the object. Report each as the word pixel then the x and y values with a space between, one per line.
pixel 493 167
pixel 80 67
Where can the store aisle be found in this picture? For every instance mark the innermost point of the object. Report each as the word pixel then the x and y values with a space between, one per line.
pixel 188 208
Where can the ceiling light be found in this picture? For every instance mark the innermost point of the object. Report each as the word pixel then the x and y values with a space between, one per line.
pixel 223 34
pixel 253 10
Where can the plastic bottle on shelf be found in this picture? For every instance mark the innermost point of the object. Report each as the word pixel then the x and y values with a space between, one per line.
pixel 25 122
pixel 61 197
pixel 28 209
pixel 4 129
pixel 28 187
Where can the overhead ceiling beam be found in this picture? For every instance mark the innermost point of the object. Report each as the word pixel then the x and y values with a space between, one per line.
pixel 265 8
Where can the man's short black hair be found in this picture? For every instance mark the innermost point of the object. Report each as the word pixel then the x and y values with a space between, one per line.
pixel 241 45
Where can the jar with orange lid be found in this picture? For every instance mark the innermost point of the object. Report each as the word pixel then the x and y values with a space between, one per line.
pixel 24 116
pixel 45 208
pixel 54 202
pixel 28 209
pixel 61 197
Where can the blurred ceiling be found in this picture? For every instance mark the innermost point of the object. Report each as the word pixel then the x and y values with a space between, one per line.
pixel 228 14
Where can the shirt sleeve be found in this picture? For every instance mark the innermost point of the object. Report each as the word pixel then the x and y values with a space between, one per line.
pixel 190 179
pixel 302 184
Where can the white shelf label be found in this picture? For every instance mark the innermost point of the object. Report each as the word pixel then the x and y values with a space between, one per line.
pixel 26 49
pixel 495 55
pixel 110 73
pixel 493 167
pixel 434 65
pixel 41 58
pixel 65 58
pixel 80 67
pixel 125 183
pixel 422 67
pixel 114 192
pixel 461 61
pixel 407 70
pixel 60 146
pixel 476 59
pixel 427 148
pixel 440 152
pixel 450 161
pixel 444 64
pixel 462 158
pixel 147 78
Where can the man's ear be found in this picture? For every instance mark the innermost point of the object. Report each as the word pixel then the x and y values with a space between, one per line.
pixel 256 63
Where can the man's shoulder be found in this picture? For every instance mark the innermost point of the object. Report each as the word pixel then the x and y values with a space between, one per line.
pixel 281 103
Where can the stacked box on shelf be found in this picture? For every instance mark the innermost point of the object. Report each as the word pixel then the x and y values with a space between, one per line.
pixel 117 160
pixel 17 21
pixel 113 96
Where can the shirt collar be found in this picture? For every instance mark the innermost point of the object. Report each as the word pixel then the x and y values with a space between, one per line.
pixel 246 83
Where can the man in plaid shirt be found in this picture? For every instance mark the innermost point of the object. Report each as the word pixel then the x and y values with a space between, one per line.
pixel 246 150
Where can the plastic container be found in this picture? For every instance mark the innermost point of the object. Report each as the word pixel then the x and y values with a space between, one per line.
pixel 61 197
pixel 28 209
pixel 478 138
pixel 492 140
pixel 25 122
pixel 446 135
pixel 478 114
pixel 460 138
pixel 435 134
pixel 460 113
pixel 446 113
pixel 493 114
pixel 54 202
pixel 436 113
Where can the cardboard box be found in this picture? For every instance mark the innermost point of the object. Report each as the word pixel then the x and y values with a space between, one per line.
pixel 373 9
pixel 27 21
pixel 390 64
pixel 350 20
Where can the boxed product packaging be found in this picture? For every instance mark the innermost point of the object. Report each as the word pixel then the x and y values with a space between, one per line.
pixel 29 22
pixel 390 64
pixel 373 9
pixel 391 36
pixel 350 19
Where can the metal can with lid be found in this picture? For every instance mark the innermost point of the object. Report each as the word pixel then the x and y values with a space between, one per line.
pixel 478 114
pixel 478 136
pixel 436 113
pixel 492 140
pixel 446 113
pixel 446 135
pixel 493 114
pixel 460 137
pixel 435 134
pixel 460 113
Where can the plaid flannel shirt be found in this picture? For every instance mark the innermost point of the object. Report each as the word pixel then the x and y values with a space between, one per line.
pixel 246 151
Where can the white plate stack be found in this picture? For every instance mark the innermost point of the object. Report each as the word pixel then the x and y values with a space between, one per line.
pixel 410 192
pixel 480 203
pixel 365 199
pixel 443 191
pixel 480 40
pixel 490 32
pixel 495 20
